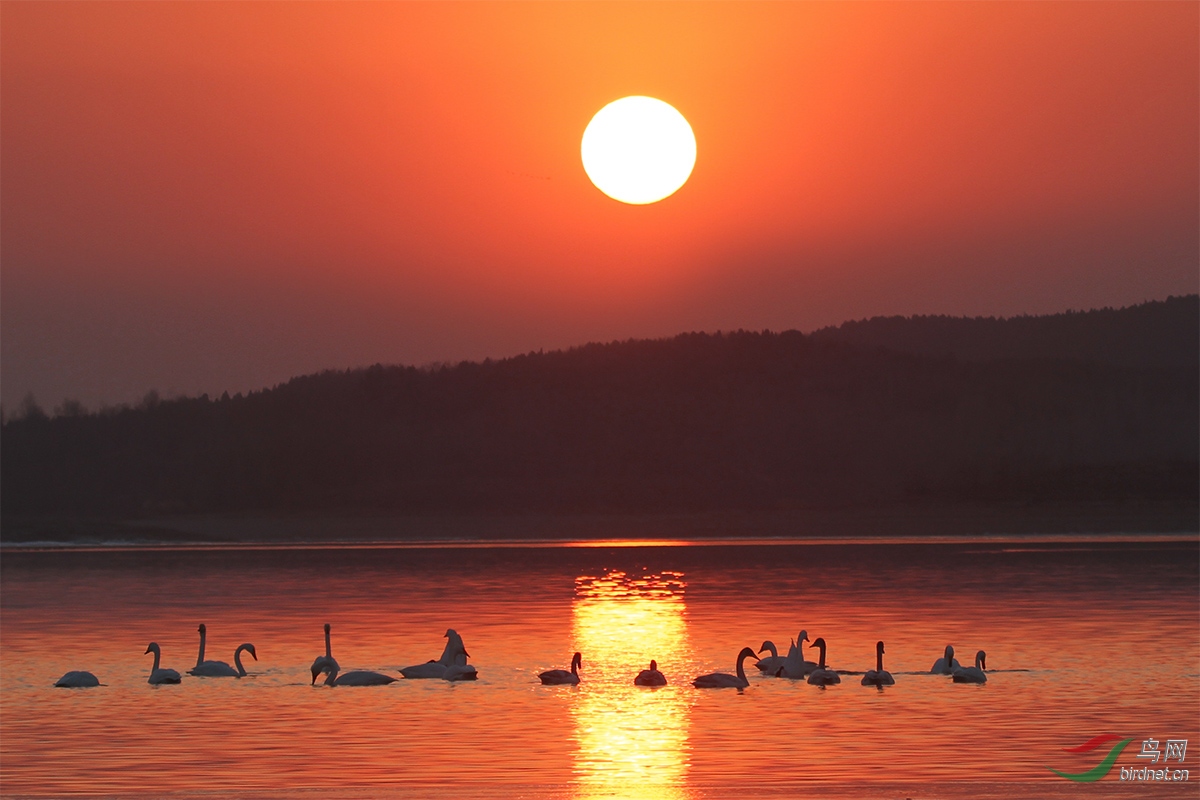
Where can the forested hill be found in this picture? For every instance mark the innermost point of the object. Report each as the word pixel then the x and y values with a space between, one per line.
pixel 1161 333
pixel 1029 410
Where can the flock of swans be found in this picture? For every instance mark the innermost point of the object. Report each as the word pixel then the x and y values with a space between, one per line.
pixel 453 666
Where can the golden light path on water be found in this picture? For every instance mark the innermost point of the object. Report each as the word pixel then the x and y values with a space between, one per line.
pixel 632 744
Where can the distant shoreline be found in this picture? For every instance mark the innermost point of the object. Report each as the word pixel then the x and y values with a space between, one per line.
pixel 1020 522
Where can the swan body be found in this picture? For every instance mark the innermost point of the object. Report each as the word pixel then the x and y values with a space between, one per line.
pixel 325 663
pixel 822 676
pixel 358 677
pixel 460 672
pixel 947 663
pixel 794 666
pixel 78 679
pixel 558 677
pixel 772 663
pixel 973 674
pixel 219 669
pixel 721 680
pixel 450 657
pixel 430 669
pixel 878 676
pixel 650 677
pixel 157 675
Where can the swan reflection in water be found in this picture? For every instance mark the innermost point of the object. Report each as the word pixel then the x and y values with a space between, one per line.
pixel 631 744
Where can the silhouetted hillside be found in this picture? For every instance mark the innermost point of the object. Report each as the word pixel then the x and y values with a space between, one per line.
pixel 695 423
pixel 1156 334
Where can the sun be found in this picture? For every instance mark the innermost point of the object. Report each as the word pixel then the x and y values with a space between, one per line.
pixel 638 150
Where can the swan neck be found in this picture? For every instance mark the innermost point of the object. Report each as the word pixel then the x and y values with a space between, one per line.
pixel 879 662
pixel 822 657
pixel 328 649
pixel 200 655
pixel 741 667
pixel 157 655
pixel 237 660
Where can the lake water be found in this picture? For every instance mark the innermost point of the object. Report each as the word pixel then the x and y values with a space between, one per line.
pixel 1081 639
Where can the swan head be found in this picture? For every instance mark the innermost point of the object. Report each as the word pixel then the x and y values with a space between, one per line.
pixel 746 653
pixel 981 660
pixel 819 643
pixel 767 646
pixel 327 627
pixel 653 665
pixel 803 637
pixel 577 661
pixel 879 648
pixel 202 629
pixel 949 653
pixel 321 664
pixel 249 648
pixel 152 648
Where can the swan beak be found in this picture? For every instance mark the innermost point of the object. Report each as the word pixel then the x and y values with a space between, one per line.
pixel 465 653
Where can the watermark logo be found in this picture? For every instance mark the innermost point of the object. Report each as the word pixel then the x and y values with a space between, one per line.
pixel 1172 749
pixel 1101 769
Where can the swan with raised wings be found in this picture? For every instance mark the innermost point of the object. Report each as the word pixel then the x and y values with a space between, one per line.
pixel 878 676
pixel 650 677
pixel 722 680
pixel 822 676
pixel 973 674
pixel 947 663
pixel 78 679
pixel 450 657
pixel 157 675
pixel 326 662
pixel 794 666
pixel 558 677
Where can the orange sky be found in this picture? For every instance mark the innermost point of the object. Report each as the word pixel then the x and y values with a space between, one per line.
pixel 210 196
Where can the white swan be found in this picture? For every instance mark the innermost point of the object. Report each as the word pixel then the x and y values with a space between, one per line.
pixel 947 663
pixel 878 676
pixel 821 676
pixel 219 669
pixel 358 677
pixel 326 662
pixel 450 657
pixel 973 674
pixel 157 675
pixel 772 663
pixel 650 677
pixel 721 680
pixel 794 666
pixel 558 677
pixel 78 679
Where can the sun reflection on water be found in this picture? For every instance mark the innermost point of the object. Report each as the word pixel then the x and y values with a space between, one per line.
pixel 632 742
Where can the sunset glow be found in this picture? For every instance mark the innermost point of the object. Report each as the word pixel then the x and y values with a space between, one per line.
pixel 308 186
